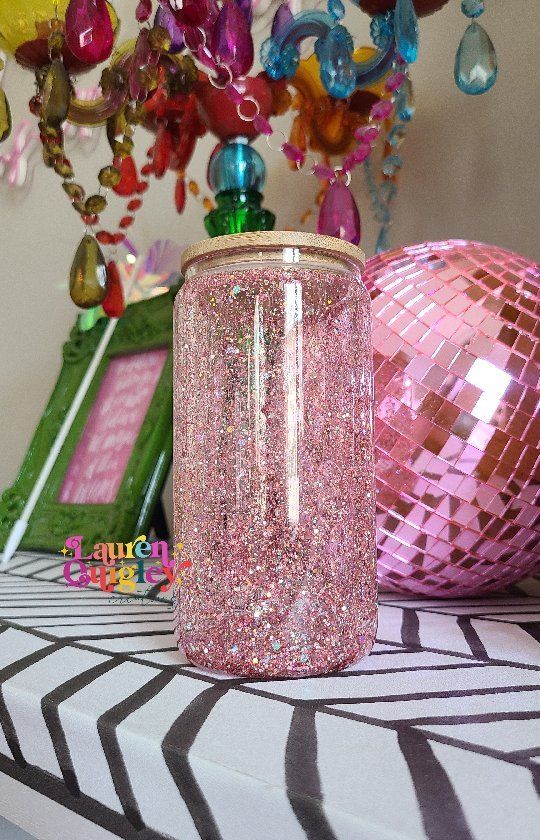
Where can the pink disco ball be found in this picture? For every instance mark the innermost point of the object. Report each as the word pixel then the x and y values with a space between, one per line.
pixel 456 338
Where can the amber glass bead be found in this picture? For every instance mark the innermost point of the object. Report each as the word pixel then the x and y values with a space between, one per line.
pixel 56 42
pixel 51 132
pixel 55 149
pixel 109 176
pixel 134 114
pixel 159 39
pixel 5 117
pixel 88 276
pixel 123 148
pixel 75 191
pixel 63 168
pixel 56 94
pixel 194 188
pixel 95 204
pixel 48 159
pixel 112 79
pixel 208 204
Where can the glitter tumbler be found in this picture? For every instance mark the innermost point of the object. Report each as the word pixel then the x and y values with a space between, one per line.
pixel 273 456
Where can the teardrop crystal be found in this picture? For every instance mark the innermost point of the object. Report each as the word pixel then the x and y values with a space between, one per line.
pixel 339 214
pixel 338 73
pixel 5 117
pixel 406 29
pixel 88 276
pixel 475 68
pixel 114 304
pixel 89 30
pixel 232 43
pixel 56 94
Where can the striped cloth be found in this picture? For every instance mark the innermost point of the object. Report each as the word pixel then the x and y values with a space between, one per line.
pixel 435 735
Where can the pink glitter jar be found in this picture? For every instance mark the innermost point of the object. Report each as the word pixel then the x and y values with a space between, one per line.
pixel 273 455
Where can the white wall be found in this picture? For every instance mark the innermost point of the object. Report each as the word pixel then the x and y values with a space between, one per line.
pixel 471 170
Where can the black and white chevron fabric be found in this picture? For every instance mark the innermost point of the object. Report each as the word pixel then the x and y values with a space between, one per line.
pixel 435 735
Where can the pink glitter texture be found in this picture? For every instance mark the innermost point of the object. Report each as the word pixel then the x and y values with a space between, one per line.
pixel 457 359
pixel 273 471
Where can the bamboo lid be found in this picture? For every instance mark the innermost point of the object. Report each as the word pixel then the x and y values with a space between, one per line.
pixel 273 239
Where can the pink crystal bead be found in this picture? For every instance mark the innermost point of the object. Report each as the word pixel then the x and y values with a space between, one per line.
pixel 324 173
pixel 339 214
pixel 361 153
pixel 89 32
pixel 190 12
pixel 234 94
pixel 292 153
pixel 394 82
pixel 262 125
pixel 367 133
pixel 143 55
pixel 349 162
pixel 143 11
pixel 232 44
pixel 381 110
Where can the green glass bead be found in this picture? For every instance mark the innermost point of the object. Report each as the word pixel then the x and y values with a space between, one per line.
pixel 123 148
pixel 109 176
pixel 5 117
pixel 88 276
pixel 56 94
pixel 74 191
pixel 238 211
pixel 95 204
pixel 63 168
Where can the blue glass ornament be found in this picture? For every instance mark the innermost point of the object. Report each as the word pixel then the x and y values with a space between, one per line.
pixel 383 242
pixel 406 28
pixel 391 164
pixel 381 29
pixel 396 135
pixel 404 102
pixel 280 53
pixel 472 8
pixel 336 9
pixel 236 166
pixel 475 68
pixel 334 52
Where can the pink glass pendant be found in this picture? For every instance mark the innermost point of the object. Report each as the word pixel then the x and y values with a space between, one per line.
pixel 232 43
pixel 89 31
pixel 273 469
pixel 339 214
pixel 143 55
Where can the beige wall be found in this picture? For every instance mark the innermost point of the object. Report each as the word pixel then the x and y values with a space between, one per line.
pixel 471 171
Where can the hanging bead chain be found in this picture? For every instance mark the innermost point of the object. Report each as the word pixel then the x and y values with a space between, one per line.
pixel 51 104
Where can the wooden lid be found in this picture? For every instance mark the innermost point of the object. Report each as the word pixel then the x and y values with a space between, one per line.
pixel 271 240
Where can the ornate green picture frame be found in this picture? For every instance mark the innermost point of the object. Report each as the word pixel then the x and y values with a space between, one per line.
pixel 145 326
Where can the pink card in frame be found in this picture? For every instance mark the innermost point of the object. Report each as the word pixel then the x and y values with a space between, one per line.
pixel 111 469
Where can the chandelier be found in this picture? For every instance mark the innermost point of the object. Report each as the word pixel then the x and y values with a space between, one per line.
pixel 190 71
